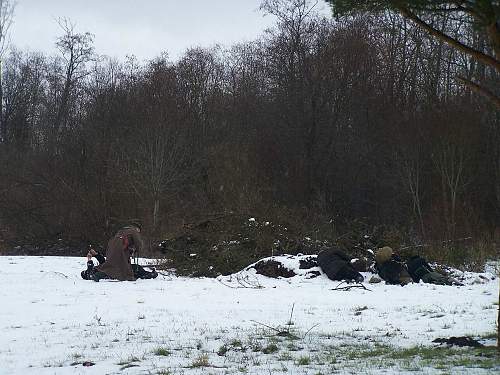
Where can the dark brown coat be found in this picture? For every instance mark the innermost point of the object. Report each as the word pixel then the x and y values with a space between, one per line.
pixel 117 265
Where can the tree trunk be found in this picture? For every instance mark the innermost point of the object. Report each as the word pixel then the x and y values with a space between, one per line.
pixel 3 131
pixel 493 32
pixel 156 213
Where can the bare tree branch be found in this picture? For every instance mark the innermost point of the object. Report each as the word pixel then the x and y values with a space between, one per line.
pixel 481 90
pixel 478 55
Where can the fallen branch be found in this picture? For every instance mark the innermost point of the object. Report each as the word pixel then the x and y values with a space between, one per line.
pixel 60 274
pixel 309 330
pixel 243 283
pixel 351 286
pixel 280 332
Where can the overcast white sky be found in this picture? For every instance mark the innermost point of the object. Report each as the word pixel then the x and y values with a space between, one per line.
pixel 144 28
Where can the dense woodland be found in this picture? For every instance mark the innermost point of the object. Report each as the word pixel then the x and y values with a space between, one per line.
pixel 359 118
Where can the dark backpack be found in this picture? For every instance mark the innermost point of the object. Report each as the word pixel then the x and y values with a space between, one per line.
pixel 393 273
pixel 418 267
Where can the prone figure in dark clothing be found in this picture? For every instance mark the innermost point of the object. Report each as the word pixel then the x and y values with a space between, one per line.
pixel 419 269
pixel 391 268
pixel 394 271
pixel 337 266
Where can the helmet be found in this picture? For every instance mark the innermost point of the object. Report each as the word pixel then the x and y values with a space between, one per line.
pixel 383 254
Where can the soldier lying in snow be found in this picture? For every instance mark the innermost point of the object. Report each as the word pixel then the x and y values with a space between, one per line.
pixel 337 266
pixel 120 248
pixel 419 269
pixel 392 269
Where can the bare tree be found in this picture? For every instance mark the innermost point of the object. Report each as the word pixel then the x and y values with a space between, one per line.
pixel 482 15
pixel 76 50
pixel 6 18
pixel 450 162
pixel 156 159
pixel 411 176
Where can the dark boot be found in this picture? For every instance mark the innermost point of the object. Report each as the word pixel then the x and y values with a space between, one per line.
pixel 87 274
pixel 141 273
pixel 98 275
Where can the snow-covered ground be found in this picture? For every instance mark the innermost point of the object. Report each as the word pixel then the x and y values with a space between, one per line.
pixel 51 321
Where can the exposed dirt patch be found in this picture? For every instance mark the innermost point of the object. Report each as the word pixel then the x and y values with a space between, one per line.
pixel 228 243
pixel 459 341
pixel 272 268
pixel 308 263
pixel 313 274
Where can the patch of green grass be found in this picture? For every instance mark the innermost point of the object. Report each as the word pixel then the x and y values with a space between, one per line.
pixel 271 348
pixel 288 335
pixel 285 356
pixel 424 352
pixel 491 335
pixel 128 361
pixel 416 358
pixel 367 351
pixel 222 350
pixel 128 365
pixel 293 347
pixel 161 351
pixel 483 358
pixel 360 351
pixel 236 343
pixel 304 361
pixel 200 361
pixel 254 345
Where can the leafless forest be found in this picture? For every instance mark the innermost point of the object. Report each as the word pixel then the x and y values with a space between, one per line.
pixel 320 120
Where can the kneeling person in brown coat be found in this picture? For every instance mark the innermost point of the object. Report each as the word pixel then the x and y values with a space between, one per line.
pixel 120 248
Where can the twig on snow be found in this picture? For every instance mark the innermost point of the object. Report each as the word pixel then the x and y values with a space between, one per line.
pixel 291 315
pixel 309 330
pixel 349 287
pixel 244 283
pixel 60 273
pixel 280 332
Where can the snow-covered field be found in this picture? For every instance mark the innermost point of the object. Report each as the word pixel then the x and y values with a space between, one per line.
pixel 52 321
